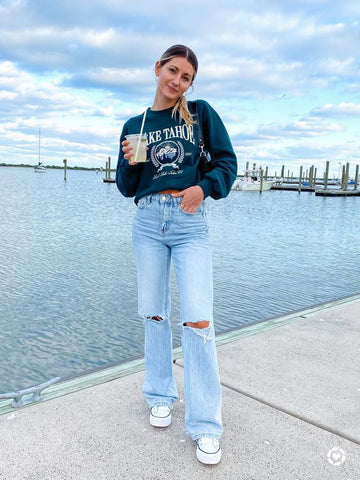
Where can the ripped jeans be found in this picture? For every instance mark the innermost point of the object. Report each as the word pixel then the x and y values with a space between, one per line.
pixel 163 232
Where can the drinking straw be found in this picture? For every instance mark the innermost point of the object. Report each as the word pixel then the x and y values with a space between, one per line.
pixel 140 135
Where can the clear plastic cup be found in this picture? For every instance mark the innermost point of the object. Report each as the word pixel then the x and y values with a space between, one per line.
pixel 141 149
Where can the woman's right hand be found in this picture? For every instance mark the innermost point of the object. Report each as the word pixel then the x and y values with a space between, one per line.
pixel 128 152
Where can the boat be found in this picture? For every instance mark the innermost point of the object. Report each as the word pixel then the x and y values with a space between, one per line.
pixel 251 181
pixel 39 168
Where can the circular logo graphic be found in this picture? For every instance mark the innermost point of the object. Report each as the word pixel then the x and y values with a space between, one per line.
pixel 167 154
pixel 336 456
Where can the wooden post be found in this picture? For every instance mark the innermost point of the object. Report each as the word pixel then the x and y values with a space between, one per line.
pixel 356 177
pixel 300 178
pixel 326 176
pixel 65 168
pixel 343 178
pixel 266 173
pixel 311 176
pixel 315 173
pixel 109 162
pixel 346 176
pixel 107 174
pixel 282 172
pixel 261 179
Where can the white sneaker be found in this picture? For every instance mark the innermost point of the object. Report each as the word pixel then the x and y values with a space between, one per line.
pixel 160 416
pixel 208 450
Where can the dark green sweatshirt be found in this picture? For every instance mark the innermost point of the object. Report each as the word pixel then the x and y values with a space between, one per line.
pixel 174 155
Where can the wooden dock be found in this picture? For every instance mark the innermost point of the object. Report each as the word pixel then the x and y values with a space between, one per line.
pixel 337 192
pixel 309 181
pixel 289 187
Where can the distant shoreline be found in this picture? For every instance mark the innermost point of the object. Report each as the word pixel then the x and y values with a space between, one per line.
pixel 55 167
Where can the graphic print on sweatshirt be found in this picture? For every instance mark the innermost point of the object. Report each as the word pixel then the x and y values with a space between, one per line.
pixel 167 153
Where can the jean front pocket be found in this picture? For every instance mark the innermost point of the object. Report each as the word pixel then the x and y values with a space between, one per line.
pixel 199 211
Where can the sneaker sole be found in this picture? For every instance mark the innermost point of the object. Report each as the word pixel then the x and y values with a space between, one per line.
pixel 160 422
pixel 208 458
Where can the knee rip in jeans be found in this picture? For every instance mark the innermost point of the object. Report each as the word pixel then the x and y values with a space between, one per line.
pixel 200 328
pixel 201 324
pixel 157 318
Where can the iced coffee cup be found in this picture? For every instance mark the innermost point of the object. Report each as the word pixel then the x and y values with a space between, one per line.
pixel 138 143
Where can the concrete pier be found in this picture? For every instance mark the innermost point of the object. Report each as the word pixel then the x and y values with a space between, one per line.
pixel 291 391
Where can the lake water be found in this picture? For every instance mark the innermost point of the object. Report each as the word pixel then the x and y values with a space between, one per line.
pixel 68 280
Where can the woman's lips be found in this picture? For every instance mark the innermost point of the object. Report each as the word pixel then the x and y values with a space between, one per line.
pixel 172 89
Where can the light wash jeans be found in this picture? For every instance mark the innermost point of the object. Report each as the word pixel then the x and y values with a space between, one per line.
pixel 162 231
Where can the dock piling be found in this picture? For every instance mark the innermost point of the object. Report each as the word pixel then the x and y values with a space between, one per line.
pixel 65 168
pixel 282 171
pixel 311 175
pixel 346 183
pixel 300 178
pixel 261 180
pixel 356 177
pixel 326 176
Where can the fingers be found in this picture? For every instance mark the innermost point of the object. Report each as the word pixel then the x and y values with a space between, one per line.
pixel 189 209
pixel 178 194
pixel 128 152
pixel 192 198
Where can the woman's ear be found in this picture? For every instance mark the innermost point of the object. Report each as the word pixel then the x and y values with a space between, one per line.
pixel 157 68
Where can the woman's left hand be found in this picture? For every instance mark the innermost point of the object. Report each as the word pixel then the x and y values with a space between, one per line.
pixel 192 198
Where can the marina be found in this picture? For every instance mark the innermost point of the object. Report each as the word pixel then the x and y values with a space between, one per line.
pixel 258 179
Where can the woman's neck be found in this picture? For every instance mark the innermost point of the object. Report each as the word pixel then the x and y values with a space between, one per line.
pixel 161 103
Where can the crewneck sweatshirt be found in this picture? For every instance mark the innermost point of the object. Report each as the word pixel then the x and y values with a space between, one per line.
pixel 173 154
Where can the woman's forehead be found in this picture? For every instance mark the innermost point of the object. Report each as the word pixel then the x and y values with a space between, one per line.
pixel 183 64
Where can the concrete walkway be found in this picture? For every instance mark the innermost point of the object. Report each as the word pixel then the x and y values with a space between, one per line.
pixel 291 411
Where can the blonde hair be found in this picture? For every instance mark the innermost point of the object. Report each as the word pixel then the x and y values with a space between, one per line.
pixel 180 106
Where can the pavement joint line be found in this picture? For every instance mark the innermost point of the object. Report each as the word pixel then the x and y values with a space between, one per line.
pixel 289 412
pixel 295 415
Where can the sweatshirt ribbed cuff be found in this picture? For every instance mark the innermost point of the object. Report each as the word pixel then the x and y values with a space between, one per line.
pixel 206 186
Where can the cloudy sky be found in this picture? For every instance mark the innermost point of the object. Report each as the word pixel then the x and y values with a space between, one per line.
pixel 284 76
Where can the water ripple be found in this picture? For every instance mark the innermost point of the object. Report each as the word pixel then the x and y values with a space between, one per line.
pixel 68 276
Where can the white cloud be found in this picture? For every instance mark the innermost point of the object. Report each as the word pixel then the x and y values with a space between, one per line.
pixel 79 69
pixel 342 109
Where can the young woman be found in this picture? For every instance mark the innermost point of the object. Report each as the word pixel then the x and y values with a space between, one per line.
pixel 170 224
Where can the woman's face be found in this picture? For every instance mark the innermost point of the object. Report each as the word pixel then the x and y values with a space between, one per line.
pixel 174 78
